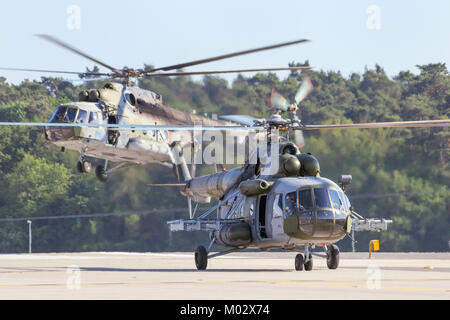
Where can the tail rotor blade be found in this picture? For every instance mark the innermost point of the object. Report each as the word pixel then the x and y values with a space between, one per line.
pixel 279 102
pixel 305 89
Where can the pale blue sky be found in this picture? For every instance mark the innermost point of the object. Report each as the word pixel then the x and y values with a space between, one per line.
pixel 169 32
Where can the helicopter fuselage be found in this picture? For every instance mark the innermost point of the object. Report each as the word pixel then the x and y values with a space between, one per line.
pixel 296 211
pixel 122 105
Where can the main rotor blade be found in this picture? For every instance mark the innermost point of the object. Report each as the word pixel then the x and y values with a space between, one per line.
pixel 399 124
pixel 85 79
pixel 54 71
pixel 143 127
pixel 70 48
pixel 242 119
pixel 182 73
pixel 226 56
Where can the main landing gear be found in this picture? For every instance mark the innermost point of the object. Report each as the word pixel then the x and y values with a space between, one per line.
pixel 201 255
pixel 332 256
pixel 201 258
pixel 84 166
pixel 304 260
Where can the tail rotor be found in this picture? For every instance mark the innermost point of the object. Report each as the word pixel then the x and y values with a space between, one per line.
pixel 278 102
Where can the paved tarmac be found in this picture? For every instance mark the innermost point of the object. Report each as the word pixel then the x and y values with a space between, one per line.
pixel 245 275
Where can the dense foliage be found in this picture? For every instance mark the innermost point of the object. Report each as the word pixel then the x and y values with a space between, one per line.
pixel 402 174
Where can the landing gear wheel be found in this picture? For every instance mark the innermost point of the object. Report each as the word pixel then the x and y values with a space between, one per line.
pixel 309 264
pixel 83 166
pixel 86 166
pixel 101 174
pixel 299 262
pixel 333 256
pixel 201 258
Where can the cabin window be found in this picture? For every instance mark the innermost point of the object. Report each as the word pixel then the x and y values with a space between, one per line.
pixel 321 196
pixel 277 206
pixel 93 117
pixel 305 200
pixel 82 116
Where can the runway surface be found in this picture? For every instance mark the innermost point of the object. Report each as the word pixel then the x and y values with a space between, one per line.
pixel 246 275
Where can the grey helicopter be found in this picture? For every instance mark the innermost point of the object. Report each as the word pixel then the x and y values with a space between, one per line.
pixel 278 200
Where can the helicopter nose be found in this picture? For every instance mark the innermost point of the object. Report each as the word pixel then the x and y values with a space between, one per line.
pixel 59 134
pixel 323 225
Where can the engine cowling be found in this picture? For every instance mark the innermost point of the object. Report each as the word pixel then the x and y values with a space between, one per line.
pixel 252 188
pixel 309 165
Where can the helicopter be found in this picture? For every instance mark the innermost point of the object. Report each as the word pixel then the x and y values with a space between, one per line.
pixel 280 202
pixel 276 200
pixel 83 125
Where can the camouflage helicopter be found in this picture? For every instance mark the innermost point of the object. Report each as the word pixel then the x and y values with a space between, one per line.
pixel 88 125
pixel 281 202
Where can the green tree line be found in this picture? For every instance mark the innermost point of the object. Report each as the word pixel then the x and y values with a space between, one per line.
pixel 403 172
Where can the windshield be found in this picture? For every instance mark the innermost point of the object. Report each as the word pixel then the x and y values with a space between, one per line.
pixel 64 114
pixel 302 201
pixel 58 114
pixel 321 196
pixel 70 115
pixel 305 200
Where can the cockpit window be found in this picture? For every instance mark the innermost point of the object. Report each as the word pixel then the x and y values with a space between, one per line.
pixel 337 203
pixel 58 114
pixel 322 200
pixel 70 115
pixel 345 200
pixel 305 200
pixel 290 203
pixel 82 116
pixel 93 117
pixel 130 98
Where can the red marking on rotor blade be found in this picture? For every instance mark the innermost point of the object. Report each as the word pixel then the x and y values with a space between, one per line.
pixel 309 81
pixel 271 97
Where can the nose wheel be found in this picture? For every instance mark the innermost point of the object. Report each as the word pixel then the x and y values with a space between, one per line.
pixel 332 256
pixel 100 173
